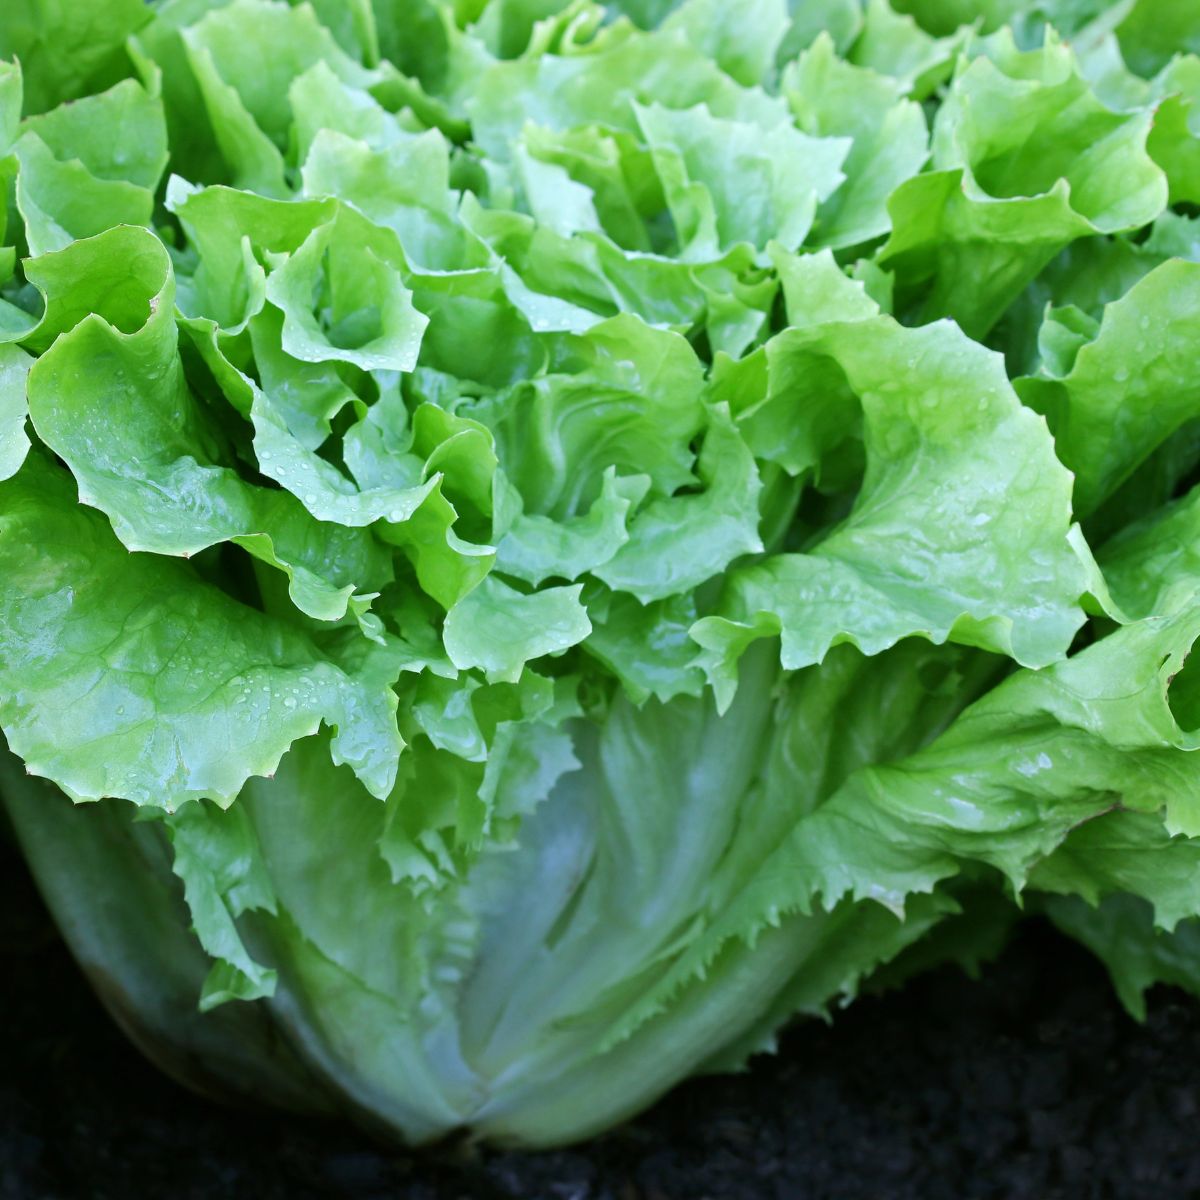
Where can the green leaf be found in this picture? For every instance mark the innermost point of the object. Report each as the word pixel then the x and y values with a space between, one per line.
pixel 12 90
pixel 242 58
pixel 743 42
pixel 119 134
pixel 1036 757
pixel 292 419
pixel 630 399
pixel 325 106
pixel 184 692
pixel 1129 388
pixel 647 646
pixel 728 182
pixel 404 186
pixel 730 297
pixel 950 452
pixel 1126 852
pixel 892 43
pixel 68 49
pixel 246 54
pixel 62 201
pixel 507 27
pixel 535 548
pixel 470 387
pixel 14 441
pixel 832 98
pixel 231 232
pixel 1122 934
pixel 944 16
pixel 157 472
pixel 497 753
pixel 90 164
pixel 600 82
pixel 220 864
pixel 1153 565
pixel 1152 32
pixel 497 629
pixel 1026 159
pixel 344 300
pixel 842 20
pixel 677 542
pixel 1064 332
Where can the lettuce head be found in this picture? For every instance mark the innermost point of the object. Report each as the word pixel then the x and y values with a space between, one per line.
pixel 540 540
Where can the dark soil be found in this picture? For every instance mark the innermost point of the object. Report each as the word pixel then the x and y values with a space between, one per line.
pixel 1032 1083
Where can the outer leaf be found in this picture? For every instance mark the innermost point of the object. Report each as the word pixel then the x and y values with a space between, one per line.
pixel 1127 852
pixel 334 992
pixel 1122 934
pixel 950 453
pixel 1130 388
pixel 184 692
pixel 139 943
pixel 1037 756
pixel 223 876
pixel 147 471
pixel 651 871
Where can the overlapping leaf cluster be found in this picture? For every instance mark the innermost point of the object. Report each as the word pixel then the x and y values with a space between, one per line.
pixel 586 529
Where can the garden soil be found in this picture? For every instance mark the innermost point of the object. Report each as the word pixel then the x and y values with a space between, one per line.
pixel 1031 1083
